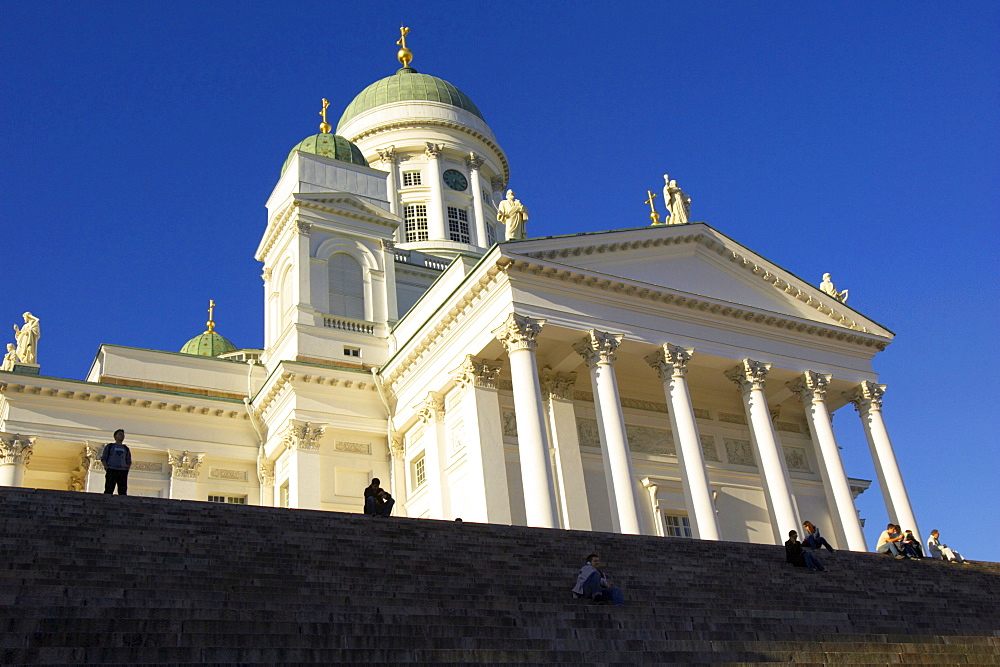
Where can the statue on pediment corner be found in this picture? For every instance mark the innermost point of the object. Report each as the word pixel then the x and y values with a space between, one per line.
pixel 513 214
pixel 827 287
pixel 678 204
pixel 10 358
pixel 26 338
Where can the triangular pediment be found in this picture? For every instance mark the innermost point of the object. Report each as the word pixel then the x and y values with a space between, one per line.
pixel 696 260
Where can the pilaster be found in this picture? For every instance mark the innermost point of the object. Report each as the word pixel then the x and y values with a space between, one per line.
pixel 431 412
pixel 436 227
pixel 184 467
pixel 557 394
pixel 474 162
pixel 15 453
pixel 302 441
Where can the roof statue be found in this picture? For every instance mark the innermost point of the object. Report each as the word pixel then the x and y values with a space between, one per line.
pixel 27 340
pixel 405 56
pixel 10 358
pixel 827 287
pixel 513 214
pixel 324 127
pixel 678 204
pixel 653 215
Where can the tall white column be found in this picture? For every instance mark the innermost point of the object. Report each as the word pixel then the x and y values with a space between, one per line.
pixel 487 496
pixel 519 336
pixel 389 262
pixel 867 400
pixel 474 162
pixel 670 363
pixel 750 377
pixel 431 413
pixel 184 467
pixel 811 388
pixel 304 478
pixel 557 393
pixel 598 351
pixel 390 161
pixel 436 227
pixel 15 452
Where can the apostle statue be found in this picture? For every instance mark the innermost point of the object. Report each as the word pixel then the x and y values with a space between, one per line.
pixel 513 214
pixel 677 203
pixel 26 338
pixel 827 287
pixel 9 359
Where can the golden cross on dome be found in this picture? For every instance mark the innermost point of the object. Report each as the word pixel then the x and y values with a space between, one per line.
pixel 324 127
pixel 211 316
pixel 653 215
pixel 405 56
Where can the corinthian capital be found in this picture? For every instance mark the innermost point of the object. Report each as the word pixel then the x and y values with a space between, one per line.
pixel 15 448
pixel 811 386
pixel 670 361
pixel 303 226
pixel 433 150
pixel 387 155
pixel 557 385
pixel 184 464
pixel 518 332
pixel 396 447
pixel 265 471
pixel 749 374
pixel 303 436
pixel 866 396
pixel 432 409
pixel 478 373
pixel 598 347
pixel 474 161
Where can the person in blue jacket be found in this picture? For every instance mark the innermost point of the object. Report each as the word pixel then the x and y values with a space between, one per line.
pixel 117 460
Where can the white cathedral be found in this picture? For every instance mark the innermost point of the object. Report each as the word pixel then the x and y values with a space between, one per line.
pixel 661 380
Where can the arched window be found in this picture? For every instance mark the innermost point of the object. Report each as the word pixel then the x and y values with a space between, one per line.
pixel 347 288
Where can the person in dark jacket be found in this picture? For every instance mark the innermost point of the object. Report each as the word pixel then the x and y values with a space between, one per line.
pixel 799 557
pixel 117 460
pixel 378 502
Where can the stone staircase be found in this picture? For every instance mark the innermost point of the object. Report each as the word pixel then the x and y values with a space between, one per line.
pixel 93 579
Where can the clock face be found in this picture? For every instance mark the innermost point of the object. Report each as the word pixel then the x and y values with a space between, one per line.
pixel 455 180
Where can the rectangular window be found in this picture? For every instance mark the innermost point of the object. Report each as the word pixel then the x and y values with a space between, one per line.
pixel 419 472
pixel 416 222
pixel 458 224
pixel 352 352
pixel 411 178
pixel 677 525
pixel 232 500
pixel 487 199
pixel 491 234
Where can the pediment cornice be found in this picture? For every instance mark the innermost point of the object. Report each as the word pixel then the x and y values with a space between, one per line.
pixel 342 205
pixel 286 382
pixel 747 262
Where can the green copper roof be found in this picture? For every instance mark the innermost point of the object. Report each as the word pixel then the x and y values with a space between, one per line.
pixel 328 145
pixel 408 84
pixel 208 344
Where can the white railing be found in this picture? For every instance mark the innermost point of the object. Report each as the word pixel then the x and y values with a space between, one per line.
pixel 348 324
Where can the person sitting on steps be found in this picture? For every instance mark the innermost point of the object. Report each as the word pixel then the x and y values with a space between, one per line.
pixel 888 542
pixel 813 539
pixel 378 502
pixel 799 557
pixel 941 551
pixel 591 584
pixel 916 550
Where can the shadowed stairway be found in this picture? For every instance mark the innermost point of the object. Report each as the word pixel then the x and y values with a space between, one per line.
pixel 90 579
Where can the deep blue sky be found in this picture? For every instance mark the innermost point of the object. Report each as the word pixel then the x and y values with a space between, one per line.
pixel 140 141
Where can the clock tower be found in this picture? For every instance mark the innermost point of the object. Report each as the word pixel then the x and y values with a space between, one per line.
pixel 446 171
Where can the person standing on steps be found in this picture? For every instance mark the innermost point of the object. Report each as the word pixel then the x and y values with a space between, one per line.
pixel 813 539
pixel 591 584
pixel 117 460
pixel 799 557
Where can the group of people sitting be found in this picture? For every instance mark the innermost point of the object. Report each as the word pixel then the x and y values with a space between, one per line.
pixel 893 541
pixel 798 556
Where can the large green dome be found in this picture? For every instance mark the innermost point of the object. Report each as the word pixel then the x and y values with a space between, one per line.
pixel 408 84
pixel 328 145
pixel 208 344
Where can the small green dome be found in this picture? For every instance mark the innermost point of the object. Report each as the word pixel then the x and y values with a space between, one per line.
pixel 408 84
pixel 328 145
pixel 208 344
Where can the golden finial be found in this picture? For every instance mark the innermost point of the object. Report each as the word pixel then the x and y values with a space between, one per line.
pixel 324 127
pixel 653 215
pixel 211 316
pixel 405 55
